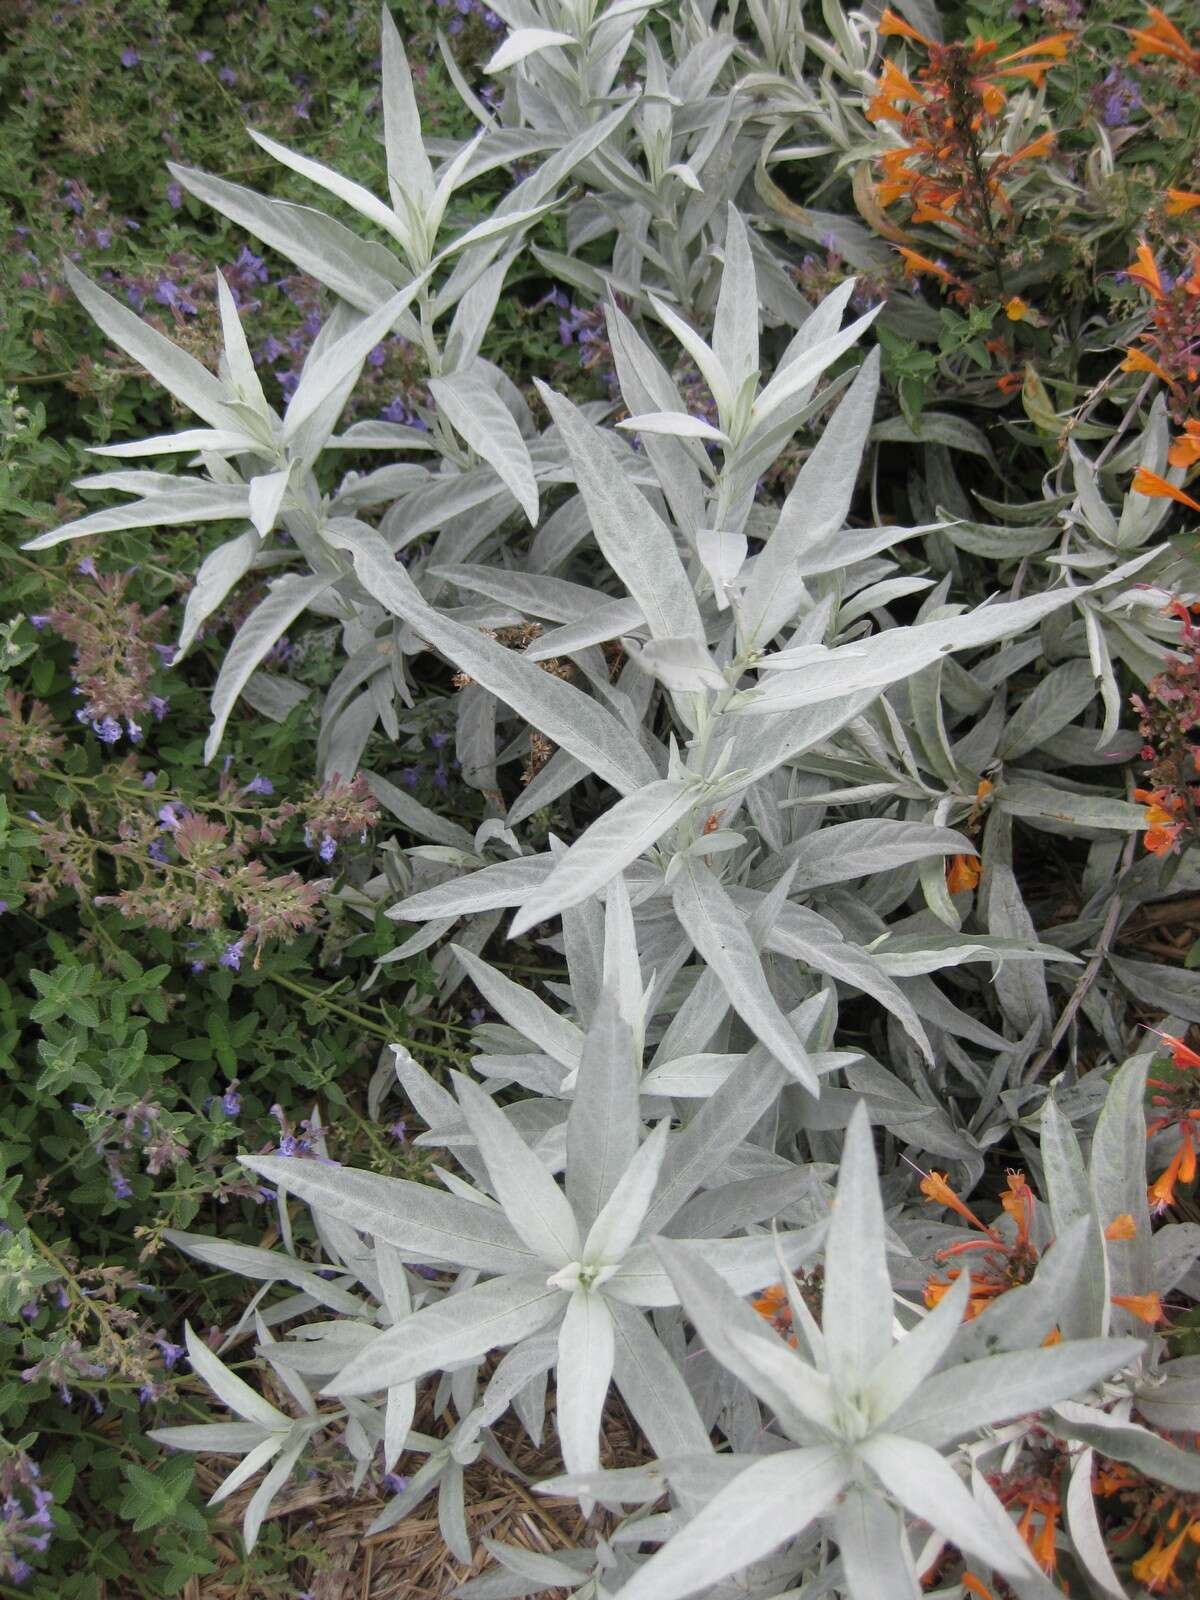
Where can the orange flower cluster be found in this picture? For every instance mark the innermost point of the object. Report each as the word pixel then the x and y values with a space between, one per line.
pixel 1004 1262
pixel 1178 1103
pixel 1035 1488
pixel 947 114
pixel 1164 820
pixel 1167 1517
pixel 1159 37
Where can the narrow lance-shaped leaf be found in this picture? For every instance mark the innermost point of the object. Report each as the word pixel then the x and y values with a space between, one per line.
pixel 475 410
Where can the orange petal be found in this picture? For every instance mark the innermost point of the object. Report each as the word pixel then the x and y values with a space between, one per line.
pixel 1144 270
pixel 1139 361
pixel 893 27
pixel 963 873
pixel 1145 1307
pixel 1155 487
pixel 1122 1227
pixel 1016 310
pixel 1181 200
pixel 914 264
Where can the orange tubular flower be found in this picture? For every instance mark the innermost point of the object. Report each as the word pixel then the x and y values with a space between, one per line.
pixel 1181 200
pixel 1157 1567
pixel 1139 361
pixel 1155 487
pixel 963 873
pixel 975 1586
pixel 1163 829
pixel 1182 1055
pixel 1145 1307
pixel 893 27
pixel 1185 452
pixel 915 264
pixel 1145 271
pixel 1160 37
pixel 936 1187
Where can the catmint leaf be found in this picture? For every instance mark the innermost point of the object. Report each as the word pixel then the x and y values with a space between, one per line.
pixel 536 1207
pixel 475 411
pixel 459 1328
pixel 715 927
pixel 585 1367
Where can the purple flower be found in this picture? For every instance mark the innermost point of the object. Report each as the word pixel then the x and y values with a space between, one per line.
pixel 410 777
pixel 377 356
pixel 170 1352
pixel 271 349
pixel 231 956
pixel 39 622
pixel 157 851
pixel 87 567
pixel 300 109
pixel 159 706
pixel 288 381
pixel 104 237
pixel 121 1186
pixel 399 1131
pixel 199 966
pixel 395 1481
pixel 476 1015
pixel 168 817
pixel 231 1100
pixel 174 195
pixel 204 57
pixel 252 265
pixel 134 728
pixel 108 731
pixel 492 22
pixel 395 411
pixel 227 76
pixel 3 908
pixel 259 785
pixel 135 295
pixel 454 26
pixel 149 779
pixel 312 324
pixel 170 294
pixel 328 847
pixel 129 56
pixel 438 741
pixel 441 779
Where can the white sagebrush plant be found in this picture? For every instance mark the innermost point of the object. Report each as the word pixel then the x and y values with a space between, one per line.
pixel 769 728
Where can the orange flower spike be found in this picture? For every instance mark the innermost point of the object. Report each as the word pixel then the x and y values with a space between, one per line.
pixel 1162 38
pixel 1043 1546
pixel 1161 1193
pixel 1017 1201
pixel 1187 1167
pixel 936 1187
pixel 1155 487
pixel 1036 150
pixel 963 874
pixel 1054 45
pixel 1146 1308
pixel 1157 1567
pixel 1180 201
pixel 972 1585
pixel 1121 1228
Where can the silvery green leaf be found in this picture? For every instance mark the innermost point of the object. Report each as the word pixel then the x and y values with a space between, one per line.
pixel 745 1264
pixel 907 1364
pixel 585 1368
pixel 268 1266
pixel 260 1502
pixel 603 1124
pixel 680 664
pixel 504 883
pixel 341 362
pixel 216 1438
pixel 211 440
pixel 408 166
pixel 770 1502
pixel 557 1035
pixel 462 1326
pixel 718 1127
pixel 242 372
pixel 634 540
pixel 561 712
pixel 735 328
pixel 715 927
pixel 1072 1205
pixel 653 1387
pixel 219 573
pixel 623 833
pixel 230 1389
pixel 720 382
pixel 1057 700
pixel 247 1467
pixel 1151 1454
pixel 475 411
pixel 523 42
pixel 189 500
pixel 623 1213
pixel 1175 990
pixel 1117 1168
pixel 960 1399
pixel 936 427
pixel 875 1555
pixel 690 1077
pixel 846 850
pixel 1083 1525
pixel 924 1482
pixel 857 1304
pixel 344 189
pixel 363 273
pixel 674 425
pixel 416 1219
pixel 1023 1317
pixel 792 378
pixel 533 1203
pixel 286 599
pixel 739 1339
pixel 182 375
pixel 426 824
pixel 267 493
